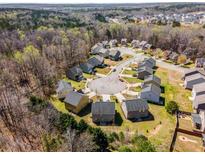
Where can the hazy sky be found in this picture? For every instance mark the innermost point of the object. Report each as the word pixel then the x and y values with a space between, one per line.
pixel 95 1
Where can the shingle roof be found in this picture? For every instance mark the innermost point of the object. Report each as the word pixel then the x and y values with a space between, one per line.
pixel 152 88
pixel 103 108
pixel 199 87
pixel 114 52
pixel 190 72
pixel 96 60
pixel 145 68
pixel 200 99
pixel 153 78
pixel 136 105
pixel 151 60
pixel 86 66
pixel 63 85
pixel 75 70
pixel 96 48
pixel 194 77
pixel 73 98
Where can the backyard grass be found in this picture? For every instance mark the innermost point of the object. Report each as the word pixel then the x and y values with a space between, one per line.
pixel 88 76
pixel 58 105
pixel 110 62
pixel 135 89
pixel 171 81
pixel 195 145
pixel 129 72
pixel 132 80
pixel 77 85
pixel 126 57
pixel 104 71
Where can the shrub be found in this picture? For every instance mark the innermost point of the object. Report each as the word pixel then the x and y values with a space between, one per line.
pixel 36 104
pixel 124 149
pixel 171 107
pixel 182 59
pixel 82 126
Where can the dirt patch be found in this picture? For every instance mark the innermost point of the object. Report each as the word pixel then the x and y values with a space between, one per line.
pixel 156 130
pixel 185 139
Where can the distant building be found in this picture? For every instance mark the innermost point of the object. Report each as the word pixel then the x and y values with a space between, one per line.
pixel 135 108
pixel 199 62
pixel 151 93
pixel 135 43
pixel 113 43
pixel 143 44
pixel 124 42
pixel 75 73
pixel 150 62
pixel 174 57
pixel 87 68
pixel 192 80
pixel 103 112
pixel 96 48
pixel 75 101
pixel 106 44
pixel 63 88
pixel 143 72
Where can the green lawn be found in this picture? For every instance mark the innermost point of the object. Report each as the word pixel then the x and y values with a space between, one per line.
pixel 104 71
pixel 88 76
pixel 132 80
pixel 129 72
pixel 60 106
pixel 75 84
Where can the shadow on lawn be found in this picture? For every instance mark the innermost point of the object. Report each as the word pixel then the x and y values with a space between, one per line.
pixel 150 117
pixel 86 110
pixel 118 119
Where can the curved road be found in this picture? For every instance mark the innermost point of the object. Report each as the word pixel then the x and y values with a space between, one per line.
pixel 111 84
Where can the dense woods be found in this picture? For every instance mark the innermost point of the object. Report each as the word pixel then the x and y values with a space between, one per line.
pixel 36 48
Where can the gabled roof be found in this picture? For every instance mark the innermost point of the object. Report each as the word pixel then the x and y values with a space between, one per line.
pixel 114 52
pixel 136 105
pixel 86 66
pixel 199 87
pixel 103 108
pixel 96 60
pixel 73 98
pixel 75 70
pixel 63 85
pixel 143 43
pixel 200 99
pixel 137 42
pixel 96 48
pixel 151 60
pixel 113 41
pixel 153 78
pixel 191 72
pixel 194 77
pixel 145 69
pixel 152 88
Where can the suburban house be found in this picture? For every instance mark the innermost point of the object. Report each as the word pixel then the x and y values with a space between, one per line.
pixel 96 61
pixel 151 92
pixel 113 43
pixel 75 101
pixel 142 45
pixel 143 72
pixel 199 62
pixel 63 88
pixel 75 73
pixel 148 46
pixel 150 62
pixel 189 73
pixel 191 80
pixel 96 48
pixel 103 112
pixel 174 57
pixel 106 44
pixel 151 79
pixel 199 102
pixel 135 108
pixel 198 89
pixel 135 43
pixel 87 68
pixel 124 42
pixel 104 52
pixel 198 120
pixel 114 55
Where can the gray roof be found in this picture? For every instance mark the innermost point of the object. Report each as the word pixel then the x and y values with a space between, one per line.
pixel 200 99
pixel 145 68
pixel 63 85
pixel 86 66
pixel 136 105
pixel 96 48
pixel 114 52
pixel 153 78
pixel 96 60
pixel 75 70
pixel 151 60
pixel 199 87
pixel 103 108
pixel 73 98
pixel 194 77
pixel 190 72
pixel 196 118
pixel 152 88
pixel 143 43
